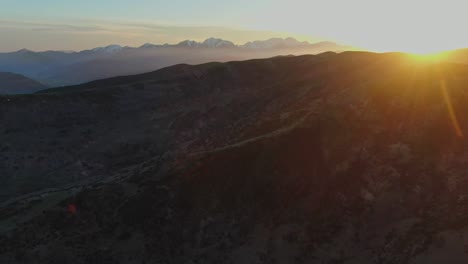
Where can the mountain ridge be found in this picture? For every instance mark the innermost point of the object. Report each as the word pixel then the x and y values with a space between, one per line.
pixel 55 68
pixel 211 42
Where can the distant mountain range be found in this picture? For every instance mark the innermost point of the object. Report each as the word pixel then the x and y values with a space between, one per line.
pixel 12 83
pixel 273 43
pixel 59 68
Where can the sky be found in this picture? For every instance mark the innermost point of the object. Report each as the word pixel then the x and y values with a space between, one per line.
pixel 379 25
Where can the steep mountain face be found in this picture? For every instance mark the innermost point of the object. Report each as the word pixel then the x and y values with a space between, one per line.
pixel 218 43
pixel 108 49
pixel 277 43
pixel 334 158
pixel 55 68
pixel 11 83
pixel 209 43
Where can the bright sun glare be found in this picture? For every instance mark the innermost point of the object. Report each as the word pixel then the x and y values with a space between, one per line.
pixel 428 57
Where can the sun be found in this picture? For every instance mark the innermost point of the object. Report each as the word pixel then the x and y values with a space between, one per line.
pixel 428 57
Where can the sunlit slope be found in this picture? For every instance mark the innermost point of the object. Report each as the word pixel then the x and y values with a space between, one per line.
pixel 350 158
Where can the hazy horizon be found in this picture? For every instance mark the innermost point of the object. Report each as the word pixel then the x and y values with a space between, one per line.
pixel 264 36
pixel 69 37
pixel 418 26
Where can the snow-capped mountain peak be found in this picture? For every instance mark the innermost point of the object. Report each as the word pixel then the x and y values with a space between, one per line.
pixel 217 43
pixel 188 43
pixel 148 45
pixel 208 43
pixel 275 43
pixel 108 49
pixel 24 51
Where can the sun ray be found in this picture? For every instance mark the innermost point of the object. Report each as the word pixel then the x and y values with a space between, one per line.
pixel 451 111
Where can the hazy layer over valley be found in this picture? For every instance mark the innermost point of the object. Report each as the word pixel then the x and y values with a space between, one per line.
pixel 57 68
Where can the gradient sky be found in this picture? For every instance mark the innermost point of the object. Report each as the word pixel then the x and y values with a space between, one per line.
pixel 407 25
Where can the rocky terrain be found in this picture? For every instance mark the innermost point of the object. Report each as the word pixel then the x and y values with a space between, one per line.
pixel 333 158
pixel 11 83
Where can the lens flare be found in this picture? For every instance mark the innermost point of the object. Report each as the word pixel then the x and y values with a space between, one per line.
pixel 451 111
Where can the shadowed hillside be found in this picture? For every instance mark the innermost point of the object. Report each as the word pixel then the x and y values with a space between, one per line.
pixel 11 83
pixel 334 158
